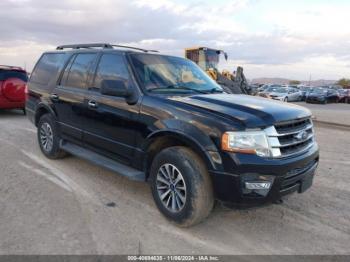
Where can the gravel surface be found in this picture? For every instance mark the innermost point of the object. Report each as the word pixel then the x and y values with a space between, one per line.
pixel 70 206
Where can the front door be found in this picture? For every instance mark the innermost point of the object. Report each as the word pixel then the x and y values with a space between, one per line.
pixel 110 123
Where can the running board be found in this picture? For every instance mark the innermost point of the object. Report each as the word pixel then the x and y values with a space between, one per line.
pixel 124 170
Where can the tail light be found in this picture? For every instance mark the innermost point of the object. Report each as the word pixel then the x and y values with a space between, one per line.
pixel 1 82
pixel 26 92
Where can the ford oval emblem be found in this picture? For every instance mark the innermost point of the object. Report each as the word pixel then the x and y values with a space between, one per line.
pixel 301 135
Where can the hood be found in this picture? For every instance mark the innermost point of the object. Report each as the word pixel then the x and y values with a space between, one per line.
pixel 249 111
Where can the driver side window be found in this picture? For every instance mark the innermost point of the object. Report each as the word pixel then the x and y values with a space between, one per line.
pixel 111 67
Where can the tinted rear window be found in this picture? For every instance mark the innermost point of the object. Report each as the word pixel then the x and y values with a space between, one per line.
pixel 48 66
pixel 79 70
pixel 6 74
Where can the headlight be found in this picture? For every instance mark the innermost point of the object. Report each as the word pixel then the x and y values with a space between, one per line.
pixel 248 142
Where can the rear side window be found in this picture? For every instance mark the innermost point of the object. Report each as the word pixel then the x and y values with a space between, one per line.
pixel 79 69
pixel 6 74
pixel 111 67
pixel 49 65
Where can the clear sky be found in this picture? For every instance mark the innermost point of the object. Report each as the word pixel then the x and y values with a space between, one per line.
pixel 269 38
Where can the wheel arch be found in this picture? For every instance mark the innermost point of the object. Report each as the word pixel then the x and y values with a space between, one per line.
pixel 160 140
pixel 41 110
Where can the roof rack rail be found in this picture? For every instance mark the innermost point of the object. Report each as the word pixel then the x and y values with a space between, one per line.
pixel 78 46
pixel 136 48
pixel 101 45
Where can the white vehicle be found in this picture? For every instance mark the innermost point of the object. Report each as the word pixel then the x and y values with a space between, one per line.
pixel 286 94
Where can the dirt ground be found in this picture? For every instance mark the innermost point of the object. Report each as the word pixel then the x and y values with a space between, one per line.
pixel 70 206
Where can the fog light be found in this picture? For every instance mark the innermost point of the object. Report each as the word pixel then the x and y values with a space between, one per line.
pixel 257 185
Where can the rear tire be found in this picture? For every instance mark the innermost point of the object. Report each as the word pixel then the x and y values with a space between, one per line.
pixel 48 138
pixel 193 193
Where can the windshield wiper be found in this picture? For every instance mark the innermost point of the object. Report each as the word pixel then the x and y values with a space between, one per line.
pixel 178 87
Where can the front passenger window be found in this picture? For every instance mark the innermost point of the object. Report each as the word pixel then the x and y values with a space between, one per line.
pixel 111 67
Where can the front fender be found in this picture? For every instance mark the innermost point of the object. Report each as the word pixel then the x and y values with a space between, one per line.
pixel 190 135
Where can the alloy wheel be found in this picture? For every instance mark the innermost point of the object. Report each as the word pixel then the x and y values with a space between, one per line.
pixel 46 137
pixel 171 188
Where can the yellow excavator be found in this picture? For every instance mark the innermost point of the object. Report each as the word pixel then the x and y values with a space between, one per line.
pixel 208 59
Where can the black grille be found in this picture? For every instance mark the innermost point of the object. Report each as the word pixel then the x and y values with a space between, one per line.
pixel 292 126
pixel 294 136
pixel 286 139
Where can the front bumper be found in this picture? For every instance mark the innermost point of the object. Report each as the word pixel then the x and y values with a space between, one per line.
pixel 290 175
pixel 277 98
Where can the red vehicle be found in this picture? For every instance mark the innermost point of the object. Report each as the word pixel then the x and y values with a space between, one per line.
pixel 13 83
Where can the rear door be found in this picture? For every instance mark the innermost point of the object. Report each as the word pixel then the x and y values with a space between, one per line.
pixel 68 96
pixel 111 125
pixel 294 95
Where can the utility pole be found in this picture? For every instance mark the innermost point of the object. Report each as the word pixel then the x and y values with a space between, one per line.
pixel 310 80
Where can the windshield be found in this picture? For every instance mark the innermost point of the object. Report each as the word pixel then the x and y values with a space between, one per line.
pixel 211 59
pixel 281 90
pixel 319 91
pixel 270 89
pixel 165 74
pixel 277 90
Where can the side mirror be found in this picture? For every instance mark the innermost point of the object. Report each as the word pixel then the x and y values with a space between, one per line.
pixel 114 88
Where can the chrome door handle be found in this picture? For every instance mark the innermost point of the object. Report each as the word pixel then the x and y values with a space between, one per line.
pixel 92 104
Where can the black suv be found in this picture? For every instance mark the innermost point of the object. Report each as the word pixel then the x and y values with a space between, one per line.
pixel 161 119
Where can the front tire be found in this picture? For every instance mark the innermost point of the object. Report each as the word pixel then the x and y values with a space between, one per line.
pixel 181 186
pixel 285 99
pixel 48 138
